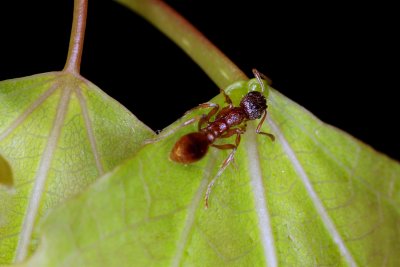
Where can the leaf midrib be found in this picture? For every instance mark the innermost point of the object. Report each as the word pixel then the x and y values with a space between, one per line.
pixel 260 200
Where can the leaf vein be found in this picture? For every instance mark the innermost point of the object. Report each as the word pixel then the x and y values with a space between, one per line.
pixel 89 130
pixel 40 178
pixel 330 226
pixel 190 218
pixel 327 151
pixel 20 119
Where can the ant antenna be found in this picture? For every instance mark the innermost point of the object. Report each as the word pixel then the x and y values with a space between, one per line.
pixel 259 75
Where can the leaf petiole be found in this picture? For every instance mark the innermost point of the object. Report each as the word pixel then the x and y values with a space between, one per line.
pixel 73 63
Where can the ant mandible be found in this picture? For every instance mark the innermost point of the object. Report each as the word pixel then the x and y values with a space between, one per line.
pixel 228 121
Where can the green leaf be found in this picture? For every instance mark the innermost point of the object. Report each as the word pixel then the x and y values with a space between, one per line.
pixel 60 132
pixel 6 178
pixel 315 196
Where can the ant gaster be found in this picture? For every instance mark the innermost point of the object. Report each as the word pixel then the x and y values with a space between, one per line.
pixel 228 121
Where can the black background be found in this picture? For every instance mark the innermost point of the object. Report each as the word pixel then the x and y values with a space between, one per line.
pixel 338 60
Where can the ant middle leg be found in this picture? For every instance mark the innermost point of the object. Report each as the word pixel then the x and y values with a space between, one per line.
pixel 238 132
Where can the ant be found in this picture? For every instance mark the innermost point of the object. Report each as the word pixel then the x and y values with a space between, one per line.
pixel 228 121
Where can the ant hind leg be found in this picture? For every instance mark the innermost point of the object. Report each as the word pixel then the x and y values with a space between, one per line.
pixel 220 171
pixel 227 161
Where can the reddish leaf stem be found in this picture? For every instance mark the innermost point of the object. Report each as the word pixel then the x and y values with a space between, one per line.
pixel 217 66
pixel 73 63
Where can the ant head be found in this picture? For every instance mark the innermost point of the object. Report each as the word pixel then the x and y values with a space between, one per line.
pixel 254 104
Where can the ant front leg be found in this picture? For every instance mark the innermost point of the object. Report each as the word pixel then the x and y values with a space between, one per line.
pixel 201 119
pixel 163 135
pixel 271 136
pixel 228 100
pixel 238 132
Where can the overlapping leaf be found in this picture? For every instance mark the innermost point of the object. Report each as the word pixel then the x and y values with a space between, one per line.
pixel 6 178
pixel 59 132
pixel 315 196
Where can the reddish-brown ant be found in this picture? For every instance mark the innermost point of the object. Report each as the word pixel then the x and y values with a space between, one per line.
pixel 228 121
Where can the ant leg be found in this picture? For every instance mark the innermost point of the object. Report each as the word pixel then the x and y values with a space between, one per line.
pixel 164 135
pixel 205 118
pixel 201 119
pixel 202 106
pixel 225 146
pixel 226 109
pixel 231 132
pixel 271 136
pixel 226 162
pixel 237 131
pixel 221 170
pixel 228 100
